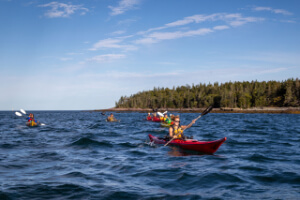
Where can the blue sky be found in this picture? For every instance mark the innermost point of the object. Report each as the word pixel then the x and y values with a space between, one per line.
pixel 75 55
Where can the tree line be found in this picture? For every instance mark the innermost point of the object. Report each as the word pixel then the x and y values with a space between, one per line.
pixel 230 94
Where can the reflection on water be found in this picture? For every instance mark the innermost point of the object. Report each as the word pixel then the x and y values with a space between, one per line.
pixel 177 151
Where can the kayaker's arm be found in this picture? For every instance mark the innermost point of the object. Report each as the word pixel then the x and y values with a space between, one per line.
pixel 171 132
pixel 188 126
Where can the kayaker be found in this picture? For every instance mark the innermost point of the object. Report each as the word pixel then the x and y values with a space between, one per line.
pixel 176 130
pixel 111 118
pixel 162 119
pixel 30 118
pixel 167 119
pixel 172 117
pixel 149 117
pixel 155 118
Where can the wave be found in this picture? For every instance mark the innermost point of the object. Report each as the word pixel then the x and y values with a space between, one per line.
pixel 8 146
pixel 275 178
pixel 46 191
pixel 86 142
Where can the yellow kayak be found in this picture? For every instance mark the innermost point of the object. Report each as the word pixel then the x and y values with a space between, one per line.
pixel 165 124
pixel 31 124
pixel 114 120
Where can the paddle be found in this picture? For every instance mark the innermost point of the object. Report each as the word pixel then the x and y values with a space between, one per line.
pixel 207 110
pixel 19 114
pixel 24 112
pixel 160 114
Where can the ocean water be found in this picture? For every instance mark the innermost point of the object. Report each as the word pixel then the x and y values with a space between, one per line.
pixel 78 155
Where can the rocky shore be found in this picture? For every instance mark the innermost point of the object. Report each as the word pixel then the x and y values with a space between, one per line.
pixel 275 110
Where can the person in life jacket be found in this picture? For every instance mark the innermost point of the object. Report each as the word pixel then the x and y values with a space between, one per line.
pixel 155 118
pixel 31 121
pixel 149 117
pixel 162 119
pixel 167 119
pixel 176 131
pixel 31 118
pixel 111 118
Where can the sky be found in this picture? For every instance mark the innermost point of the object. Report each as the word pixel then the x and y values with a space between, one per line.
pixel 85 55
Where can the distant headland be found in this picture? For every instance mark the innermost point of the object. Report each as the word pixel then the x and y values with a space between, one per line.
pixel 274 110
pixel 229 97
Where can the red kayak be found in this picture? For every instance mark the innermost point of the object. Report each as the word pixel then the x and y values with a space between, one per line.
pixel 208 147
pixel 154 119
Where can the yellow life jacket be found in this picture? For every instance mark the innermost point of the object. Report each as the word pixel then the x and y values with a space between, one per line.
pixel 176 131
pixel 110 119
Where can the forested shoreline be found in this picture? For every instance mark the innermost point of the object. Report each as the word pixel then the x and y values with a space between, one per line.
pixel 242 95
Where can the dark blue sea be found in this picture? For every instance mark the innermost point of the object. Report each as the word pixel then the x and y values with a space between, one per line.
pixel 78 155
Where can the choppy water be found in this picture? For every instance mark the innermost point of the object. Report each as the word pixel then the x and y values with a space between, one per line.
pixel 78 155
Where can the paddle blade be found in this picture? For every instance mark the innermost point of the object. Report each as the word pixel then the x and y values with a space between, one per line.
pixel 18 114
pixel 43 124
pixel 160 114
pixel 23 111
pixel 207 110
pixel 165 112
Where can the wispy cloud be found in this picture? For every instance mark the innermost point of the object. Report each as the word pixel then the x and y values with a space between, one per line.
pixel 157 36
pixel 276 11
pixel 124 5
pixel 63 10
pixel 193 19
pixel 107 58
pixel 232 19
pixel 221 27
pixel 112 43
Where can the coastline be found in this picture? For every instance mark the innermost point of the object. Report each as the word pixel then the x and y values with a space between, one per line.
pixel 272 110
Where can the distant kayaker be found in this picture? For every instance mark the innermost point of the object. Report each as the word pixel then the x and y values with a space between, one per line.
pixel 155 118
pixel 162 119
pixel 176 130
pixel 31 121
pixel 30 118
pixel 172 117
pixel 167 119
pixel 149 117
pixel 111 118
